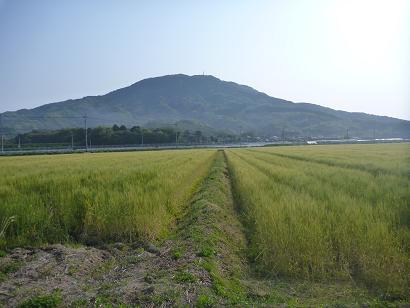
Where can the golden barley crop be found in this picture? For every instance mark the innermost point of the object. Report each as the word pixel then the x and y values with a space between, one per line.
pixel 97 196
pixel 328 212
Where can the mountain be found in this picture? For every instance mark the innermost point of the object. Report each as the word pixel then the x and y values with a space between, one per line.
pixel 206 100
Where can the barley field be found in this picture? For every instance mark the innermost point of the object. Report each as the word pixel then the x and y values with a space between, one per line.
pixel 309 213
pixel 328 212
pixel 96 197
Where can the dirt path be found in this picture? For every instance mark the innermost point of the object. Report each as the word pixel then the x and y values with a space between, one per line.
pixel 200 264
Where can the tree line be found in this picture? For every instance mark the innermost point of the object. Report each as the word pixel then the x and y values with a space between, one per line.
pixel 116 135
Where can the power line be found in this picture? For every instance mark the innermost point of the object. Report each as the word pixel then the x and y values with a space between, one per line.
pixel 13 116
pixel 79 117
pixel 39 117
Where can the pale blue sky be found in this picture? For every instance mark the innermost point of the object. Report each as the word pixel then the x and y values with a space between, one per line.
pixel 351 55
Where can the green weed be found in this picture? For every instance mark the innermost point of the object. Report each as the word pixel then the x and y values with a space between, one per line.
pixel 204 301
pixel 43 301
pixel 184 277
pixel 206 251
pixel 177 252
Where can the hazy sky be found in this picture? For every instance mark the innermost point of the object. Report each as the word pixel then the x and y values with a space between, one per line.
pixel 351 55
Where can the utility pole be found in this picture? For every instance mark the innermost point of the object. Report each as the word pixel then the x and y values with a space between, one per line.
pixel 176 134
pixel 283 135
pixel 86 137
pixel 19 145
pixel 72 141
pixel 142 136
pixel 347 133
pixel 374 135
pixel 1 131
pixel 240 136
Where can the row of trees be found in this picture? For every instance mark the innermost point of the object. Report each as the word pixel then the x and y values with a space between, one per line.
pixel 115 135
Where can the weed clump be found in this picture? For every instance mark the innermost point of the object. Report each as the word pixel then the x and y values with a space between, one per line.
pixel 43 301
pixel 184 277
pixel 206 251
pixel 204 301
pixel 177 252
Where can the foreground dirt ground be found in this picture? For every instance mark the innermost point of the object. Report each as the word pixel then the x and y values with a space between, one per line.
pixel 115 274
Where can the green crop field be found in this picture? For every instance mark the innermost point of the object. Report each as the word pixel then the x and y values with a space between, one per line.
pixel 325 212
pixel 302 224
pixel 97 197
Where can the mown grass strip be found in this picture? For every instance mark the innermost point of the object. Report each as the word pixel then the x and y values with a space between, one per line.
pixel 212 227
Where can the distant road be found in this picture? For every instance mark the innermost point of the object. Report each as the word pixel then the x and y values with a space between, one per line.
pixel 123 148
pixel 93 149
